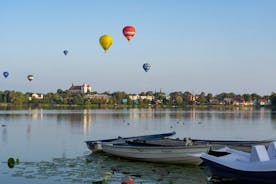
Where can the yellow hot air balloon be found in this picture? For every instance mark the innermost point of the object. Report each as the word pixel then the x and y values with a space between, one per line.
pixel 105 41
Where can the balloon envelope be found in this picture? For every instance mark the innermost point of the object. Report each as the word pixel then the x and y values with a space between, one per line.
pixel 65 52
pixel 105 41
pixel 146 67
pixel 11 162
pixel 129 32
pixel 30 77
pixel 5 74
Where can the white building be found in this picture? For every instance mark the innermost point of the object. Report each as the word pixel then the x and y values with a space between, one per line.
pixel 138 97
pixel 36 96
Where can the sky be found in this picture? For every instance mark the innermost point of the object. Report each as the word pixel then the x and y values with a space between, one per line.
pixel 210 46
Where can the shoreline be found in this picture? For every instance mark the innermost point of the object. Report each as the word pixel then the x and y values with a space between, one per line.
pixel 7 106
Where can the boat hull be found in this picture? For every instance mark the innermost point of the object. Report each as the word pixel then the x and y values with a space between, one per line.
pixel 170 155
pixel 221 171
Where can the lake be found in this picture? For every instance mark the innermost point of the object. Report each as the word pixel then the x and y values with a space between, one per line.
pixel 50 143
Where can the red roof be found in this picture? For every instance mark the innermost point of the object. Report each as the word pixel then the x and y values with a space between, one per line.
pixel 75 87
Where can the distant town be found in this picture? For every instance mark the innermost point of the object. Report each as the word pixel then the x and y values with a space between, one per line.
pixel 83 95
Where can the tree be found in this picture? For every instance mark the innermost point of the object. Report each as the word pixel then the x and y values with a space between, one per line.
pixel 142 94
pixel 255 96
pixel 3 97
pixel 87 102
pixel 221 96
pixel 273 99
pixel 202 99
pixel 209 97
pixel 16 98
pixel 77 99
pixel 149 93
pixel 118 96
pixel 179 100
pixel 246 97
pixel 160 95
pixel 59 91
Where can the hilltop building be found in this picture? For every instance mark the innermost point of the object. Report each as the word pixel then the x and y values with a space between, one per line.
pixel 85 88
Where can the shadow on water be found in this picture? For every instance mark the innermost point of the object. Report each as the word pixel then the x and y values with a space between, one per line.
pixel 96 168
pixel 217 180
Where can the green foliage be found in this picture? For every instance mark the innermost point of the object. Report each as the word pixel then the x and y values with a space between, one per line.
pixel 16 98
pixel 179 100
pixel 119 96
pixel 202 98
pixel 78 100
pixel 221 96
pixel 273 99
pixel 65 98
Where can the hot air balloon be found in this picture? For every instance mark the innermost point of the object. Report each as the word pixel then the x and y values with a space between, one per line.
pixel 30 77
pixel 129 32
pixel 146 67
pixel 65 52
pixel 105 41
pixel 5 74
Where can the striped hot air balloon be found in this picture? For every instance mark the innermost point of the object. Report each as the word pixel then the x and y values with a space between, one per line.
pixel 129 32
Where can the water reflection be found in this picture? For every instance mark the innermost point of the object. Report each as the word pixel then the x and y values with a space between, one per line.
pixel 273 114
pixel 4 134
pixel 29 131
pixel 97 167
pixel 191 114
pixel 141 114
pixel 36 113
pixel 80 119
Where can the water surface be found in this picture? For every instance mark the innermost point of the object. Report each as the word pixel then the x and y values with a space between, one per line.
pixel 51 149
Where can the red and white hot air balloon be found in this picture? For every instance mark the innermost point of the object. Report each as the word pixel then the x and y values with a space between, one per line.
pixel 129 32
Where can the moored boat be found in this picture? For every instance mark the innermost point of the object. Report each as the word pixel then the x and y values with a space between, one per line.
pixel 96 145
pixel 172 154
pixel 244 145
pixel 258 166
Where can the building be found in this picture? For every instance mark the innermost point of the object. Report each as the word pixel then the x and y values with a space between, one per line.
pixel 138 97
pixel 36 96
pixel 85 88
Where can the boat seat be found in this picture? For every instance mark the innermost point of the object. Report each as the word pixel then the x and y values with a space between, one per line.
pixel 272 150
pixel 258 154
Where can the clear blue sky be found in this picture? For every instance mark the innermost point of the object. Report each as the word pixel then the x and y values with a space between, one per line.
pixel 202 45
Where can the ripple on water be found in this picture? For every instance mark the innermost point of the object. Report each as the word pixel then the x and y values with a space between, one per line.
pixel 94 168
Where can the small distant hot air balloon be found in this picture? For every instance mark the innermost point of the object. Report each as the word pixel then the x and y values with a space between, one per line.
pixel 105 41
pixel 30 77
pixel 146 67
pixel 5 74
pixel 65 52
pixel 11 162
pixel 129 32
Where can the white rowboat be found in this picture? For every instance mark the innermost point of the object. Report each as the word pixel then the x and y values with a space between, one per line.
pixel 186 154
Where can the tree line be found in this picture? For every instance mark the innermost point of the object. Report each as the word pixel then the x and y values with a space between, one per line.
pixel 178 98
